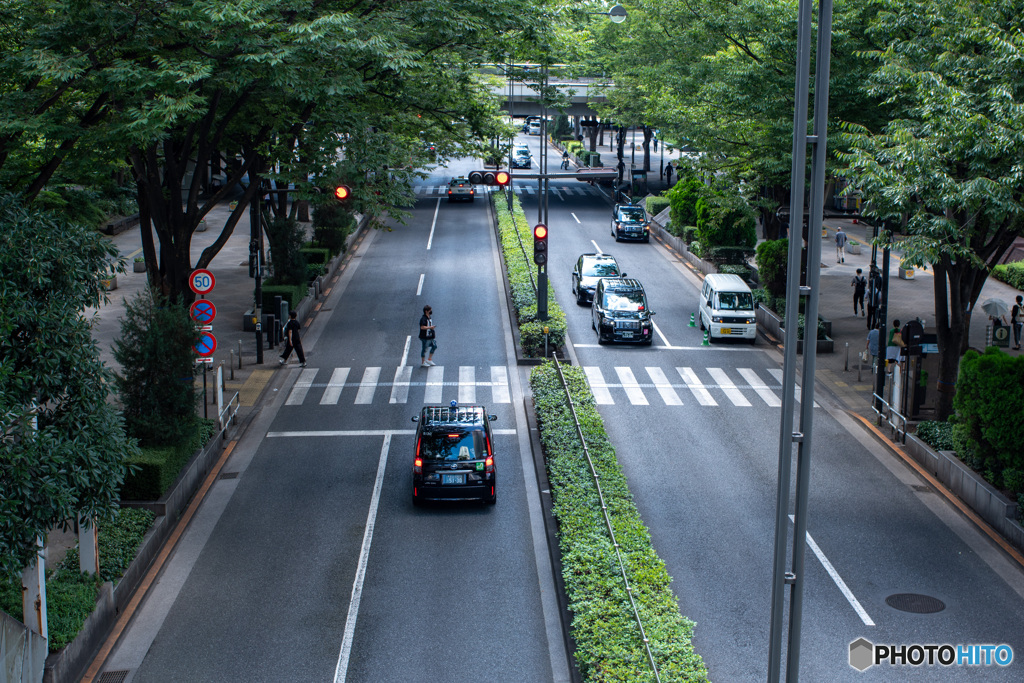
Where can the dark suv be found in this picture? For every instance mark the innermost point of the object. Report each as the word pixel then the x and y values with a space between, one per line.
pixel 454 454
pixel 620 312
pixel 629 222
pixel 589 269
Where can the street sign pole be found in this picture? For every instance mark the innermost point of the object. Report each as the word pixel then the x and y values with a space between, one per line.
pixel 256 236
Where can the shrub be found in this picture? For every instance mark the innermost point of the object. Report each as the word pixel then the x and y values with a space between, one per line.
pixel 689 234
pixel 725 221
pixel 157 366
pixel 772 264
pixel 332 224
pixel 1010 273
pixel 157 468
pixel 656 205
pixel 989 405
pixel 683 198
pixel 603 627
pixel 743 271
pixel 293 294
pixel 286 238
pixel 938 435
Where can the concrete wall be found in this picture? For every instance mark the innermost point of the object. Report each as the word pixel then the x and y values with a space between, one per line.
pixel 22 652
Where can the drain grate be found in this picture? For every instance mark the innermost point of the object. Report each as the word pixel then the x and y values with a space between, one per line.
pixel 228 475
pixel 118 676
pixel 916 603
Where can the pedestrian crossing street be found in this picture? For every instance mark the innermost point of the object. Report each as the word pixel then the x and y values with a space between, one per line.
pixel 741 387
pixel 580 190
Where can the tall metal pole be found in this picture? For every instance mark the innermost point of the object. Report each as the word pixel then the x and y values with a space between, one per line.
pixel 256 235
pixel 787 435
pixel 542 193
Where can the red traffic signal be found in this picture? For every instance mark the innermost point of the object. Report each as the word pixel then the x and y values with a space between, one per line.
pixel 342 193
pixel 500 178
pixel 540 244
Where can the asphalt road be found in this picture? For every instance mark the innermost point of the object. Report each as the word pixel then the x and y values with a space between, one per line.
pixel 696 430
pixel 312 564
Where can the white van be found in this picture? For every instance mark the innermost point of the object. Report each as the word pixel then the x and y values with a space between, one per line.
pixel 727 308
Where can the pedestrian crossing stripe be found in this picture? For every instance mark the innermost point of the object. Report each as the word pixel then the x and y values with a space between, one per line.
pixel 739 387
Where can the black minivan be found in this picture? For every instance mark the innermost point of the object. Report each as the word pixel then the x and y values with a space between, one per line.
pixel 620 312
pixel 454 457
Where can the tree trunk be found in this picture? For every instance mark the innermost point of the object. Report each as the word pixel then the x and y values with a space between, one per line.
pixel 648 134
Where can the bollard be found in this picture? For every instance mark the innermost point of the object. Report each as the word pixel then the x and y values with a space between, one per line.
pixel 231 365
pixel 693 317
pixel 239 355
pixel 846 363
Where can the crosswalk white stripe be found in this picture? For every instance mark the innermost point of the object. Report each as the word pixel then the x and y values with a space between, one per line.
pixel 661 383
pixel 602 396
pixel 400 387
pixel 699 392
pixel 435 382
pixel 633 391
pixel 333 391
pixel 777 374
pixel 499 384
pixel 301 388
pixel 467 384
pixel 726 385
pixel 769 396
pixel 367 386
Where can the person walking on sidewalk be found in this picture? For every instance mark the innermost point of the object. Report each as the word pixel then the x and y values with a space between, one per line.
pixel 292 341
pixel 874 297
pixel 840 245
pixel 427 341
pixel 860 285
pixel 1017 320
pixel 872 344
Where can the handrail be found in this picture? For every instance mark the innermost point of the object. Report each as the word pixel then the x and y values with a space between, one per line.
pixel 233 401
pixel 886 412
pixel 607 520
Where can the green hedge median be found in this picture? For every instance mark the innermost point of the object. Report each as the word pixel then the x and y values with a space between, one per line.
pixel 608 644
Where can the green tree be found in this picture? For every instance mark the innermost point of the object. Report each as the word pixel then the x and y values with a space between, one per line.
pixel 72 461
pixel 155 352
pixel 949 158
pixel 772 257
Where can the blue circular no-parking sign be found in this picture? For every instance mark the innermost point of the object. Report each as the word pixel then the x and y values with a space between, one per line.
pixel 206 345
pixel 203 311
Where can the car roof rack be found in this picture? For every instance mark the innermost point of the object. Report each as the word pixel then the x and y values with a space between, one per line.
pixel 465 416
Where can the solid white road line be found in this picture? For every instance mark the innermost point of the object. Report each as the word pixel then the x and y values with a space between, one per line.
pixel 658 330
pixel 847 593
pixel 405 352
pixel 668 394
pixel 726 385
pixel 333 391
pixel 433 224
pixel 367 386
pixel 574 216
pixel 419 287
pixel 596 247
pixel 341 671
pixel 633 391
pixel 301 388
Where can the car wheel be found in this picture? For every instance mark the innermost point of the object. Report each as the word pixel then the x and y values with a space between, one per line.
pixel 702 328
pixel 753 340
pixel 592 325
pixel 649 342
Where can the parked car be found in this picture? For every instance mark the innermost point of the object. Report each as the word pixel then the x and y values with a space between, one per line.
pixel 726 308
pixel 629 222
pixel 460 189
pixel 454 458
pixel 588 270
pixel 620 312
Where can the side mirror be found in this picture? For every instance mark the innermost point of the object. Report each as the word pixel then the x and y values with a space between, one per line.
pixel 651 313
pixel 416 419
pixel 709 303
pixel 623 275
pixel 492 418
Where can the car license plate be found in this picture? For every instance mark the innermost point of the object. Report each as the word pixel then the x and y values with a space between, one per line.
pixel 726 330
pixel 627 335
pixel 457 479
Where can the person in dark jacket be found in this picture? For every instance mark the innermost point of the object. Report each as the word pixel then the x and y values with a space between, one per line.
pixel 292 340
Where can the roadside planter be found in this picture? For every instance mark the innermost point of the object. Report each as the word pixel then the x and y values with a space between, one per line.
pixel 139 265
pixel 769 321
pixel 906 271
pixel 853 247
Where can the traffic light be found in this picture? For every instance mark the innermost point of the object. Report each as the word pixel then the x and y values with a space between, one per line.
pixel 500 178
pixel 342 193
pixel 540 244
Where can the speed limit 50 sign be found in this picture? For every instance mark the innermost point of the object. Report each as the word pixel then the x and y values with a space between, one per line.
pixel 201 281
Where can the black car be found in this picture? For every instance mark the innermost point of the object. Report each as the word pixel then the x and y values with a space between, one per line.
pixel 589 269
pixel 620 312
pixel 454 454
pixel 629 222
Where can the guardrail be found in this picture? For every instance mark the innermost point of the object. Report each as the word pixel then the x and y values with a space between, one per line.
pixel 231 409
pixel 607 520
pixel 896 421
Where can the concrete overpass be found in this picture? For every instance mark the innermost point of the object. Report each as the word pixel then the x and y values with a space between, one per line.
pixel 582 93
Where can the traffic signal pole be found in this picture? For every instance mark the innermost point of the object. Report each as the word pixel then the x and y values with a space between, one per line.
pixel 542 197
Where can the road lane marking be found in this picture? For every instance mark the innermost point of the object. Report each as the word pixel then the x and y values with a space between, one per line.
pixel 419 287
pixel 847 593
pixel 400 387
pixel 769 396
pixel 333 391
pixel 367 386
pixel 499 384
pixel 430 240
pixel 777 374
pixel 467 384
pixel 658 330
pixel 598 387
pixel 661 383
pixel 633 391
pixel 571 213
pixel 596 246
pixel 405 352
pixel 699 392
pixel 726 385
pixel 435 383
pixel 301 388
pixel 341 671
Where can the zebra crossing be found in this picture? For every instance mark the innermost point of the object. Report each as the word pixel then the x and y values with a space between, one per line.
pixel 751 387
pixel 651 385
pixel 369 387
pixel 581 190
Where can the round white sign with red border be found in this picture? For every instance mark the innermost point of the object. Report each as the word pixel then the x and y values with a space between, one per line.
pixel 201 281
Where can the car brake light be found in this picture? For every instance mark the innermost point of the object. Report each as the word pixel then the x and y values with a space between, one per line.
pixel 417 466
pixel 489 464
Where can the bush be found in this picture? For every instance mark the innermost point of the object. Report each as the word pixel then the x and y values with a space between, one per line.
pixel 515 235
pixel 286 238
pixel 938 435
pixel 157 365
pixel 989 405
pixel 603 627
pixel 772 265
pixel 293 294
pixel 689 234
pixel 332 224
pixel 1010 273
pixel 157 468
pixel 683 198
pixel 656 205
pixel 725 221
pixel 743 271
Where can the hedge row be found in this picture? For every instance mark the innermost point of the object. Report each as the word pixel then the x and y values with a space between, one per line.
pixel 1010 273
pixel 518 268
pixel 155 469
pixel 608 644
pixel 71 595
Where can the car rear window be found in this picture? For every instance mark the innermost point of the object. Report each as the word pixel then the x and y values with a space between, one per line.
pixel 454 446
pixel 600 269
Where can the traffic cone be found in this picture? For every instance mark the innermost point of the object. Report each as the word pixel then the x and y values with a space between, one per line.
pixel 707 336
pixel 692 323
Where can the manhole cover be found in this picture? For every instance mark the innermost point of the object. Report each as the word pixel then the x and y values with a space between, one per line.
pixel 916 603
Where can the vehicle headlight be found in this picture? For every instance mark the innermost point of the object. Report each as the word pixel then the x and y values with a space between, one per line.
pixel 751 321
pixel 716 318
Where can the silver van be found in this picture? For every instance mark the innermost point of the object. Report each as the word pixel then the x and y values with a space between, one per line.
pixel 727 308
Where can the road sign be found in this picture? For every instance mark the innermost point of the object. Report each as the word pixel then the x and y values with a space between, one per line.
pixel 206 345
pixel 203 311
pixel 201 281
